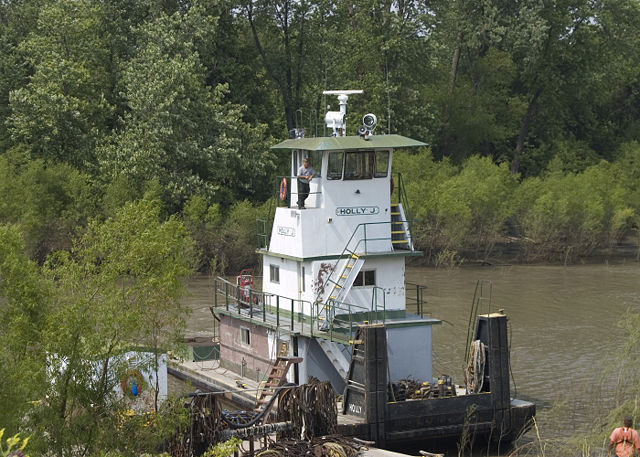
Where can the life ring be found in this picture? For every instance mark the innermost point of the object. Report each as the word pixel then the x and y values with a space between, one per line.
pixel 283 189
pixel 127 388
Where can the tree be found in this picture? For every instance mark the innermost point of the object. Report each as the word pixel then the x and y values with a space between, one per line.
pixel 279 30
pixel 63 112
pixel 118 289
pixel 24 303
pixel 50 203
pixel 177 129
pixel 569 60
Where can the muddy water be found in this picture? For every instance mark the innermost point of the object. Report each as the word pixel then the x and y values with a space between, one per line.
pixel 563 324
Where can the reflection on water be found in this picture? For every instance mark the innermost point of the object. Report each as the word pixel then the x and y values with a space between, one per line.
pixel 563 324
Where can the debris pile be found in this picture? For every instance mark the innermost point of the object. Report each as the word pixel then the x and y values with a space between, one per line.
pixel 324 446
pixel 409 389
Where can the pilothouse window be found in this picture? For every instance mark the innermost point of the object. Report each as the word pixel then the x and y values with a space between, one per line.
pixel 382 163
pixel 358 165
pixel 334 168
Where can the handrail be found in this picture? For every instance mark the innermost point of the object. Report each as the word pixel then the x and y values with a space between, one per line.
pixel 255 305
pixel 418 300
pixel 374 302
pixel 403 199
pixel 289 192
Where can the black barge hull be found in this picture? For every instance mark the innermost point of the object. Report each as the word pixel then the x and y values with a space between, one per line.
pixel 490 413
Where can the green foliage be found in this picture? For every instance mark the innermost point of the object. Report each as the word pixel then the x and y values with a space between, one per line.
pixel 49 203
pixel 118 288
pixel 14 444
pixel 24 305
pixel 114 100
pixel 224 244
pixel 567 215
pixel 62 112
pixel 457 210
pixel 177 129
pixel 141 434
pixel 224 449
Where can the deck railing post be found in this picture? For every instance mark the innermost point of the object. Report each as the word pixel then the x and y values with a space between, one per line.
pixel 226 295
pixel 250 304
pixel 215 293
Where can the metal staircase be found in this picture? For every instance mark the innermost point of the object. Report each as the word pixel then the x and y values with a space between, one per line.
pixel 345 279
pixel 400 236
pixel 341 283
pixel 339 355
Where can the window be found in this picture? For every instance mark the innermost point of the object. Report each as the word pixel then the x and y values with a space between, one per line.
pixel 358 165
pixel 365 278
pixel 382 164
pixel 245 336
pixel 315 160
pixel 334 168
pixel 302 274
pixel 274 273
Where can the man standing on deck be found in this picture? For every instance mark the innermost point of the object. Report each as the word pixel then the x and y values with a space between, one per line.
pixel 305 175
pixel 625 440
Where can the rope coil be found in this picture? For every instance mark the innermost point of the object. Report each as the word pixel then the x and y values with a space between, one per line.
pixel 474 374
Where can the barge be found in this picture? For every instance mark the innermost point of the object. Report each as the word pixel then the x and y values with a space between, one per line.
pixel 334 304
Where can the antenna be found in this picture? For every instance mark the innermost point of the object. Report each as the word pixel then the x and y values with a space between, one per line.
pixel 336 120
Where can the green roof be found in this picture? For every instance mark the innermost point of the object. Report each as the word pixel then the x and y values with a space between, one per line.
pixel 338 143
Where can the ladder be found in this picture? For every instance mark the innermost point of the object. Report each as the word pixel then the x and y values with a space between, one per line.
pixel 277 377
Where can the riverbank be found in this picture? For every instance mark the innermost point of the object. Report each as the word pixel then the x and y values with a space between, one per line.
pixel 520 251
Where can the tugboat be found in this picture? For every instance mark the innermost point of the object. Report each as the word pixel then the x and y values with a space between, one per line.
pixel 333 302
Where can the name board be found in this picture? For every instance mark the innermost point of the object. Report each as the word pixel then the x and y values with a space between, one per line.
pixel 357 211
pixel 286 231
pixel 355 409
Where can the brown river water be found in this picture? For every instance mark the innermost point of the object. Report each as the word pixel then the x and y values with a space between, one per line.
pixel 563 326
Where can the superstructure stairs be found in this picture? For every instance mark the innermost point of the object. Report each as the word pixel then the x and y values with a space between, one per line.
pixel 338 354
pixel 341 283
pixel 400 235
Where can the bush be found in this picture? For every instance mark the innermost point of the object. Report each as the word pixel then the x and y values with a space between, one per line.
pixel 50 203
pixel 456 211
pixel 224 244
pixel 567 215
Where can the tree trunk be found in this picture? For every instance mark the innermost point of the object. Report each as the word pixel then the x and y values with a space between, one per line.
pixel 454 63
pixel 283 86
pixel 524 131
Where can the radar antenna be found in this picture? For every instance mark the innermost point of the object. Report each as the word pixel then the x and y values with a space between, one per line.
pixel 336 120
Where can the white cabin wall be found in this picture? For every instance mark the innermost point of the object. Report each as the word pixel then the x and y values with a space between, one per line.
pixel 288 276
pixel 389 278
